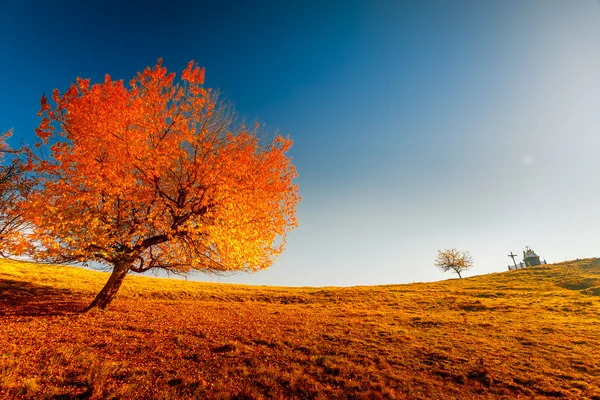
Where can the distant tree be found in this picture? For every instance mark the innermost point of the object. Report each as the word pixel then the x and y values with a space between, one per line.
pixel 157 175
pixel 12 186
pixel 453 260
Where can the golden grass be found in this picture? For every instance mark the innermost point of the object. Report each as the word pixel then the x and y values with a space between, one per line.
pixel 521 334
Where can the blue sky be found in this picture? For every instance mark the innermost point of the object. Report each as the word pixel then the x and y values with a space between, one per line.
pixel 417 125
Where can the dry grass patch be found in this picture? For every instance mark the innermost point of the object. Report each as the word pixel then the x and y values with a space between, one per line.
pixel 519 334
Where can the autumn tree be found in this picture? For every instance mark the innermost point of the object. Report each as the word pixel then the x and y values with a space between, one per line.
pixel 156 175
pixel 453 260
pixel 12 185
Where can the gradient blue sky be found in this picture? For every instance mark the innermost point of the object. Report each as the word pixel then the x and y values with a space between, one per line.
pixel 417 125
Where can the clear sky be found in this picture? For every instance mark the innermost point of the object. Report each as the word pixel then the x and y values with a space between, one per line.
pixel 417 125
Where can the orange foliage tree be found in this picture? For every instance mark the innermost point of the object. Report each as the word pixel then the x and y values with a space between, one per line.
pixel 13 184
pixel 157 175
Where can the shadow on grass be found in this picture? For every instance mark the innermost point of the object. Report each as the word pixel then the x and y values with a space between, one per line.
pixel 19 298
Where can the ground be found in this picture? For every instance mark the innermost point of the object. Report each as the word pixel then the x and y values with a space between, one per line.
pixel 521 334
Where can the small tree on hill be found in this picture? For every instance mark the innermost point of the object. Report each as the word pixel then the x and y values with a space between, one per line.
pixel 156 175
pixel 453 260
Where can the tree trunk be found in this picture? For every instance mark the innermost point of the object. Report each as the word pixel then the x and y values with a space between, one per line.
pixel 459 275
pixel 108 292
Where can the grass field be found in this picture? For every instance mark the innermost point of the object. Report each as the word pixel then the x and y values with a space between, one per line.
pixel 521 334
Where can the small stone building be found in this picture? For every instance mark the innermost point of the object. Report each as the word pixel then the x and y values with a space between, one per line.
pixel 530 259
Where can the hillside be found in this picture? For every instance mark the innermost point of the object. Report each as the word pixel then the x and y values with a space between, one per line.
pixel 518 334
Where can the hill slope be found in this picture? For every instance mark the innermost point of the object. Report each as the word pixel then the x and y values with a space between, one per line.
pixel 519 334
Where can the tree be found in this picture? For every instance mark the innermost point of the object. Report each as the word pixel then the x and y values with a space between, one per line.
pixel 452 259
pixel 157 175
pixel 12 185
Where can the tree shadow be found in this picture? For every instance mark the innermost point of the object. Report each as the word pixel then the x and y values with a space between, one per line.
pixel 19 298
